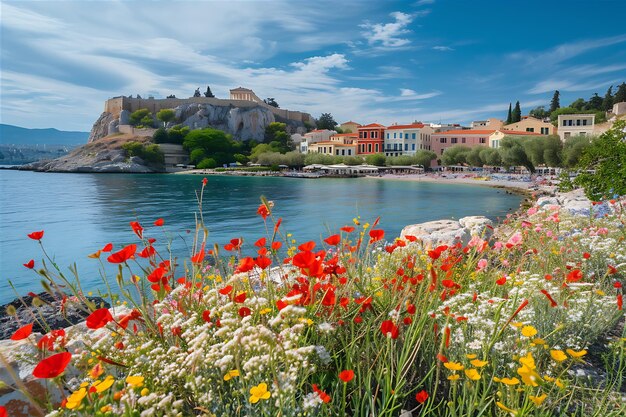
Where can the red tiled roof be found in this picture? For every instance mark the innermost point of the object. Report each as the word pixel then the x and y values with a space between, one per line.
pixel 371 125
pixel 346 134
pixel 465 132
pixel 330 143
pixel 519 132
pixel 351 123
pixel 411 126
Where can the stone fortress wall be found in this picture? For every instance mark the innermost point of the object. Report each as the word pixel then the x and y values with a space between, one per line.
pixel 117 104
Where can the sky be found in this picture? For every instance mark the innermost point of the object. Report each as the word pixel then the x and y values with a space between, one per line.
pixel 443 61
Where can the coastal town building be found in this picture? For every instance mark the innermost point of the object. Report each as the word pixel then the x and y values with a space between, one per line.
pixel 575 125
pixel 314 136
pixel 442 127
pixel 407 139
pixel 349 127
pixel 345 138
pixel 619 108
pixel 491 123
pixel 370 139
pixel 531 124
pixel 470 138
pixel 333 148
pixel 496 137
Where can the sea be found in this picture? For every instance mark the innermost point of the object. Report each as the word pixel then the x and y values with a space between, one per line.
pixel 81 213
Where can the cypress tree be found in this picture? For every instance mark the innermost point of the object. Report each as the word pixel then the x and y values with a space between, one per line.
pixel 517 113
pixel 555 103
pixel 595 102
pixel 509 117
pixel 621 94
pixel 607 103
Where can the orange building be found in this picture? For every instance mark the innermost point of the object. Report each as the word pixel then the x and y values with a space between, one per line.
pixel 370 139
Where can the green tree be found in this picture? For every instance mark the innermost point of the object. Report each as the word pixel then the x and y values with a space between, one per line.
pixel 607 102
pixel 513 153
pixel 509 116
pixel 554 116
pixel 517 113
pixel 542 150
pixel 490 156
pixel 595 102
pixel 197 155
pixel 353 160
pixel 620 95
pixel 579 104
pixel 377 159
pixel 604 165
pixel 207 163
pixel 539 113
pixel 215 143
pixel 473 157
pixel 573 149
pixel 424 158
pixel 326 121
pixel 166 115
pixel 137 116
pixel 556 102
pixel 277 132
pixel 455 155
pixel 160 136
pixel 242 159
pixel 270 101
pixel 177 134
pixel 208 93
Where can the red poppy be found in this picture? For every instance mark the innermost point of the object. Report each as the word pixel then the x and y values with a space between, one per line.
pixel 244 312
pixel 277 225
pixel 411 309
pixel 147 252
pixel 410 238
pixel 346 375
pixel 159 222
pixel 107 248
pixel 574 276
pixel 612 270
pixel 137 229
pixel 389 329
pixel 36 235
pixel 3 411
pixel 280 304
pixel 206 316
pixel 199 256
pixel 30 264
pixel 308 246
pixel 376 235
pixel 226 290
pixel 407 321
pixel 23 332
pixel 263 211
pixel 245 265
pixel 333 240
pixel 620 302
pixel 347 229
pixel 263 262
pixel 501 281
pixel 276 245
pixel 260 243
pixel 442 358
pixel 323 396
pixel 99 318
pixel 549 297
pixel 240 298
pixel 421 396
pixel 586 255
pixel 617 284
pixel 47 341
pixel 52 366
pixel 204 181
pixel 123 255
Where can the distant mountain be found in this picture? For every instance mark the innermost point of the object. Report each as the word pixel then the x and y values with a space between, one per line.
pixel 15 135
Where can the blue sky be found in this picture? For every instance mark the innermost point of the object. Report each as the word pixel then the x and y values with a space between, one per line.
pixel 369 61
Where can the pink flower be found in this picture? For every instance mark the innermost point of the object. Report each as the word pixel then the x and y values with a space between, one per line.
pixel 482 264
pixel 514 240
pixel 532 211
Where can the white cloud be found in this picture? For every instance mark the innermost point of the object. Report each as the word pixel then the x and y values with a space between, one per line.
pixel 442 48
pixel 568 85
pixel 389 35
pixel 424 2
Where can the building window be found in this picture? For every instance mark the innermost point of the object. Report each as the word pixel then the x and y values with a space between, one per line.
pixel 483 140
pixel 413 136
pixel 443 140
pixel 406 146
pixel 413 147
pixel 584 122
pixel 453 140
pixel 462 140
pixel 570 122
pixel 369 147
pixel 530 129
pixel 406 136
pixel 394 135
pixel 337 152
pixel 545 131
pixel 387 135
pixel 564 122
pixel 577 122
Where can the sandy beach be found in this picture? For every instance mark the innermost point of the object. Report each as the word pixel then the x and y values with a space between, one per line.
pixel 518 182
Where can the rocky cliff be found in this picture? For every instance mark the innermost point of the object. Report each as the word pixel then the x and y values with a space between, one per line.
pixel 241 122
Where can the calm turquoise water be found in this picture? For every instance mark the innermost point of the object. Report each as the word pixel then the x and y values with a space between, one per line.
pixel 80 213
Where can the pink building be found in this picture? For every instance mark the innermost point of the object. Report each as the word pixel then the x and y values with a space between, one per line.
pixel 442 140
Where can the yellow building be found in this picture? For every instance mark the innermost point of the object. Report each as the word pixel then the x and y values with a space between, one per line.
pixel 333 148
pixel 349 127
pixel 530 124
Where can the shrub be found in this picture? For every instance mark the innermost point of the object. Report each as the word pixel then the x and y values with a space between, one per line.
pixel 160 136
pixel 207 163
pixel 149 153
pixel 136 117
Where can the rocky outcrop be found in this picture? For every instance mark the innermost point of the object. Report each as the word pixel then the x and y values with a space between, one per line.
pixel 242 123
pixel 100 128
pixel 449 232
pixel 575 203
pixel 109 161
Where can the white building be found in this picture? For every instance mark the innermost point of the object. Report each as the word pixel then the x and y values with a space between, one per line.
pixel 314 136
pixel 575 125
pixel 407 139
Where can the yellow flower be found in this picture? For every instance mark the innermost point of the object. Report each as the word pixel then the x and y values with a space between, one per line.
pixel 231 374
pixel 265 311
pixel 135 381
pixel 306 321
pixel 538 399
pixel 528 370
pixel 259 392
pixel 101 386
pixel 453 366
pixel 517 324
pixel 96 371
pixel 478 363
pixel 509 381
pixel 558 355
pixel 576 355
pixel 75 399
pixel 600 293
pixel 105 409
pixel 529 331
pixel 505 408
pixel 472 374
pixel 145 392
pixel 453 377
pixel 471 356
pixel 539 341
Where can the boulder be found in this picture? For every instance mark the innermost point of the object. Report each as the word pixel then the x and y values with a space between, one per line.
pixel 124 117
pixel 477 226
pixel 438 232
pixel 100 128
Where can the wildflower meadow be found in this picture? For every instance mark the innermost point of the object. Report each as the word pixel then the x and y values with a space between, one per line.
pixel 527 322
